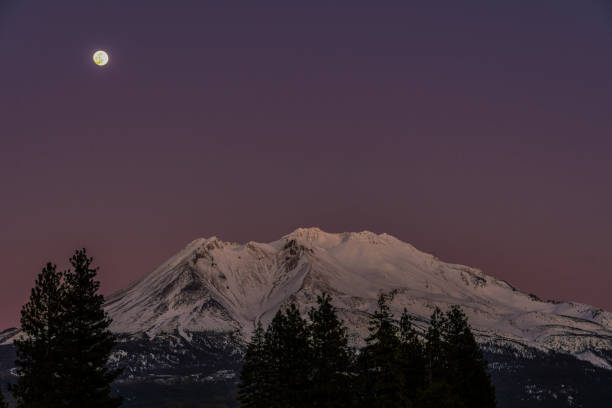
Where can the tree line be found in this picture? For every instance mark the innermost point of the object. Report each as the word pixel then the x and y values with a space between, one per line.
pixel 299 362
pixel 65 342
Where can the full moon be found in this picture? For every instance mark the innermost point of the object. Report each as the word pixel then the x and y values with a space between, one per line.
pixel 100 58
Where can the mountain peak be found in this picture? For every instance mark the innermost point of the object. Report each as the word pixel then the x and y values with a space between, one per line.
pixel 314 236
pixel 200 242
pixel 370 237
pixel 218 286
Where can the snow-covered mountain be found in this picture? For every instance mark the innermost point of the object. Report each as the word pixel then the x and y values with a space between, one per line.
pixel 181 329
pixel 221 287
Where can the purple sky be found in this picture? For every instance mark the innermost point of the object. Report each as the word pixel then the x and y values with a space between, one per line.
pixel 479 131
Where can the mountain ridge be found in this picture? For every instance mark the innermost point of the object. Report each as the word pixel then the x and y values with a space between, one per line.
pixel 225 287
pixel 182 329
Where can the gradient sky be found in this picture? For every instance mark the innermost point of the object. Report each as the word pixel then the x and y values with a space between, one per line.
pixel 480 131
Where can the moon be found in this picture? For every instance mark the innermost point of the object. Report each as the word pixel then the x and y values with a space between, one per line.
pixel 100 58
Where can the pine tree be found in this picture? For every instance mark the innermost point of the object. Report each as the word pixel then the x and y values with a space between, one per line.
pixel 86 380
pixel 273 345
pixel 331 357
pixel 62 356
pixel 288 355
pixel 38 359
pixel 455 364
pixel 434 348
pixel 412 357
pixel 466 368
pixel 381 380
pixel 253 386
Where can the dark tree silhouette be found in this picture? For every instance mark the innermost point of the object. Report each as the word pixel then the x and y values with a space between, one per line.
pixel 466 368
pixel 381 381
pixel 253 385
pixel 331 357
pixel 38 351
pixel 288 355
pixel 455 363
pixel 89 342
pixel 434 347
pixel 66 343
pixel 296 364
pixel 412 357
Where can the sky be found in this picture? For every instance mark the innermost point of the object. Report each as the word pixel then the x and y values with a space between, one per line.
pixel 478 131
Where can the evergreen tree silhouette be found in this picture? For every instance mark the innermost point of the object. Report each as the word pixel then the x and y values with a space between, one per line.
pixel 62 355
pixel 455 364
pixel 253 385
pixel 38 358
pixel 412 357
pixel 466 368
pixel 86 381
pixel 434 348
pixel 331 357
pixel 381 381
pixel 295 364
pixel 288 355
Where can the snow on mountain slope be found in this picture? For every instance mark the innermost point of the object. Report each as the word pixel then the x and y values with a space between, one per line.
pixel 219 286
